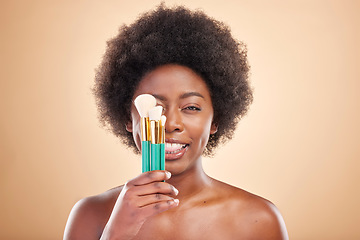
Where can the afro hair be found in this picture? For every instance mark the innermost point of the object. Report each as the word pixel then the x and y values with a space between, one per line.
pixel 174 36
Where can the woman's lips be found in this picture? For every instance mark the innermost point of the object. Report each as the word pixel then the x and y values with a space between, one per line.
pixel 175 151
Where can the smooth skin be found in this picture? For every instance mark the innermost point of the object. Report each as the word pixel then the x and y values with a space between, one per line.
pixel 190 204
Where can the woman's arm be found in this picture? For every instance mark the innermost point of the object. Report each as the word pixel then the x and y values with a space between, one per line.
pixel 273 224
pixel 265 221
pixel 83 221
pixel 140 198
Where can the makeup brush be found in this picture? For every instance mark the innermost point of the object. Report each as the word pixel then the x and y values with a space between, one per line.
pixel 154 116
pixel 143 104
pixel 162 142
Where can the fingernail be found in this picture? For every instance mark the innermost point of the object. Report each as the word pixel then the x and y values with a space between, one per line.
pixel 168 174
pixel 176 201
pixel 176 191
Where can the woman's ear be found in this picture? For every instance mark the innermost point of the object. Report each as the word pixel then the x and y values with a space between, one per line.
pixel 129 126
pixel 214 128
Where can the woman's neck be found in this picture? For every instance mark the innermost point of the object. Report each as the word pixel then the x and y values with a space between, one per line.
pixel 191 182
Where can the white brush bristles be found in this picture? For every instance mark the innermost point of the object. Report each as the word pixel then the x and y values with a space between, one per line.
pixel 144 103
pixel 155 113
pixel 163 120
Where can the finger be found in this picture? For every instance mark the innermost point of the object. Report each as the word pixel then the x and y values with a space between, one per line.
pixel 153 188
pixel 151 199
pixel 158 207
pixel 149 177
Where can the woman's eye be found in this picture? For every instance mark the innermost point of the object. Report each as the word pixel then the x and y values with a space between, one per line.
pixel 192 108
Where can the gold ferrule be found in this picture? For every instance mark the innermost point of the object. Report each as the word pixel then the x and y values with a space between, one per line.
pixel 155 131
pixel 145 129
pixel 162 134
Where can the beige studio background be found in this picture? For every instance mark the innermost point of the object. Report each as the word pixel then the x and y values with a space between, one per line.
pixel 298 146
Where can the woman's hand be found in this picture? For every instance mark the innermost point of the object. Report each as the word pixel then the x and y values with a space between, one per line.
pixel 142 197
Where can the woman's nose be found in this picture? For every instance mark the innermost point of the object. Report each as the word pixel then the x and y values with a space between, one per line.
pixel 173 121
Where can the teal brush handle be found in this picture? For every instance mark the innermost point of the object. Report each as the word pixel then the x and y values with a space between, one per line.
pixel 162 156
pixel 155 157
pixel 145 154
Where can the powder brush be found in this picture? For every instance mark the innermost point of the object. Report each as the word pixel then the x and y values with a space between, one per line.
pixel 155 116
pixel 162 142
pixel 143 104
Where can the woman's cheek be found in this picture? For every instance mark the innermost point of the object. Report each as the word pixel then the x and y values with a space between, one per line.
pixel 199 126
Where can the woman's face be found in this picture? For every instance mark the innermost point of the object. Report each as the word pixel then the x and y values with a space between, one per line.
pixel 188 108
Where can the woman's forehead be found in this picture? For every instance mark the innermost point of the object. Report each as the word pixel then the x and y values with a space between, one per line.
pixel 173 81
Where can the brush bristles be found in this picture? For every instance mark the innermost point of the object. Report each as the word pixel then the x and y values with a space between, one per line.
pixel 155 113
pixel 163 120
pixel 144 103
pixel 162 128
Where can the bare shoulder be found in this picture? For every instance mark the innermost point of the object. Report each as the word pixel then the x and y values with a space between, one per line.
pixel 253 216
pixel 89 216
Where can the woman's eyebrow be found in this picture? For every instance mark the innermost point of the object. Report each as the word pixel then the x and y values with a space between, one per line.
pixel 161 98
pixel 184 95
pixel 190 94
